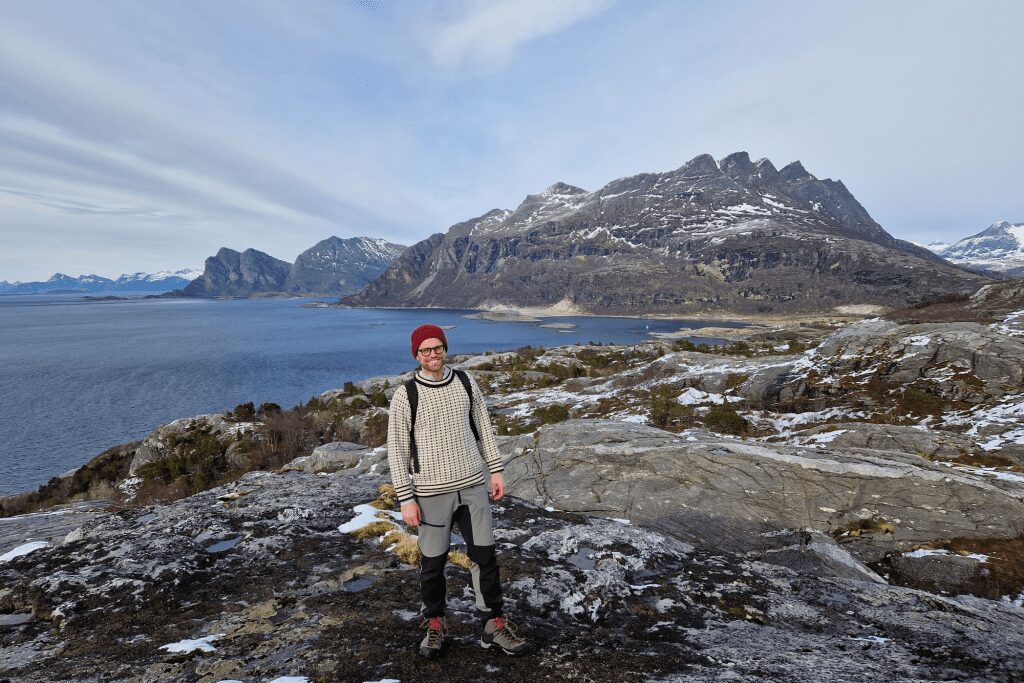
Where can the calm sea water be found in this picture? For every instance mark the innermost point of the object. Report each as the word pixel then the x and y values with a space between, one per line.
pixel 79 377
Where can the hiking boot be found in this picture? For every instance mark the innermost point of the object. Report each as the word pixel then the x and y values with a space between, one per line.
pixel 430 646
pixel 502 632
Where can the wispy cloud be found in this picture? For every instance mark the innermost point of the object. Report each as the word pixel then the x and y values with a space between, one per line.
pixel 490 33
pixel 147 135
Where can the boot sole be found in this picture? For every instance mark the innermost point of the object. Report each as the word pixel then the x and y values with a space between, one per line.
pixel 485 645
pixel 431 654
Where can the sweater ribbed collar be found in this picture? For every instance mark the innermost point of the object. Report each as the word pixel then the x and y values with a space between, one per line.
pixel 446 377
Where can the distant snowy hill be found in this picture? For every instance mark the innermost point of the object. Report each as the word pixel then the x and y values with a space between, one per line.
pixel 333 266
pixel 341 266
pixel 999 247
pixel 134 283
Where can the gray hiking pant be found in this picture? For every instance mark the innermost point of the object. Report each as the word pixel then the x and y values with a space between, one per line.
pixel 471 509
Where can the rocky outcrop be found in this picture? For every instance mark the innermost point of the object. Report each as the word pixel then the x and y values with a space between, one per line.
pixel 255 581
pixel 964 362
pixel 162 441
pixel 341 456
pixel 1003 297
pixel 726 235
pixel 917 440
pixel 892 500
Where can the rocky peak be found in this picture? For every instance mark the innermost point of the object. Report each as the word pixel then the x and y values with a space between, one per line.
pixel 227 255
pixel 737 164
pixel 795 171
pixel 766 170
pixel 561 188
pixel 703 164
pixel 997 228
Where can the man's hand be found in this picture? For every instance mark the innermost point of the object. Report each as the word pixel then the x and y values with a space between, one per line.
pixel 497 486
pixel 411 513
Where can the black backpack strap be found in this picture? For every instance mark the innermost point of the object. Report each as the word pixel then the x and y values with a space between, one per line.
pixel 464 378
pixel 414 398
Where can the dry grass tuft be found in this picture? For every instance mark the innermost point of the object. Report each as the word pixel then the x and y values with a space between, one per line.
pixel 373 530
pixel 405 547
pixel 1005 564
pixel 459 559
pixel 387 499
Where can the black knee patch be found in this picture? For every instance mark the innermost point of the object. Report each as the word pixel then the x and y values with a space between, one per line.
pixel 432 566
pixel 483 555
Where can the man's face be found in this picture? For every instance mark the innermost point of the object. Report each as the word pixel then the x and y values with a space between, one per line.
pixel 431 355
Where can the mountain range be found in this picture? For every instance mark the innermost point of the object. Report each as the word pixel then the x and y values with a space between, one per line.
pixel 134 283
pixel 333 266
pixel 998 248
pixel 732 234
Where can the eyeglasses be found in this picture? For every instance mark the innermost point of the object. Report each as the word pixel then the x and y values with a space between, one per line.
pixel 436 350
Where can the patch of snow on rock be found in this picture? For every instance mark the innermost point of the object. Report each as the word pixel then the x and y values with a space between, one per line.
pixel 365 515
pixel 190 645
pixel 23 549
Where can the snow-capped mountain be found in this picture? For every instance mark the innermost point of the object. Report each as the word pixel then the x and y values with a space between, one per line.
pixel 333 266
pixel 134 283
pixel 999 247
pixel 341 266
pixel 731 234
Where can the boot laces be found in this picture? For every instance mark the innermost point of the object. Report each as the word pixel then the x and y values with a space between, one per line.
pixel 502 624
pixel 435 630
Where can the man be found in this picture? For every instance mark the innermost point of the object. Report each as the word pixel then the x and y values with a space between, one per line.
pixel 444 459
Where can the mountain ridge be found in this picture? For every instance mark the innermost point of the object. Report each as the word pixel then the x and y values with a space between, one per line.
pixel 999 248
pixel 333 266
pixel 127 283
pixel 727 235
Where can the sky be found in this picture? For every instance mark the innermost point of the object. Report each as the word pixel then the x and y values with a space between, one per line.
pixel 144 136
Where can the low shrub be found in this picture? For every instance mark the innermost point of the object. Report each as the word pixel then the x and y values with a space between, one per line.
pixel 725 420
pixel 243 412
pixel 551 414
pixel 666 411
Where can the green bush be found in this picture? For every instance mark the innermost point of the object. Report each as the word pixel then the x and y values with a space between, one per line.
pixel 243 412
pixel 375 433
pixel 665 409
pixel 920 402
pixel 268 408
pixel 551 414
pixel 511 426
pixel 724 420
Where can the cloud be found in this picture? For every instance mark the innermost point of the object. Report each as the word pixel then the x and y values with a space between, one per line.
pixel 490 35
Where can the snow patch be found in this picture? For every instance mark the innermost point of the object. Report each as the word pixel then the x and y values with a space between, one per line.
pixel 23 549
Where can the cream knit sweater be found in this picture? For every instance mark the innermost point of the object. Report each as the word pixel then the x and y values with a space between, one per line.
pixel 450 459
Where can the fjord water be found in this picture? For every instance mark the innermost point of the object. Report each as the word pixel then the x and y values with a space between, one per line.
pixel 78 377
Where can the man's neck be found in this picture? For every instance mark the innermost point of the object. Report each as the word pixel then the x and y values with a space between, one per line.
pixel 434 376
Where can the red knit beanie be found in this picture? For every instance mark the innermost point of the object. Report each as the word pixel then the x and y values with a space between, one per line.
pixel 424 332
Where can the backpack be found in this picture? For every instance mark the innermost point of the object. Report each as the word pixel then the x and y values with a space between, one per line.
pixel 414 398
